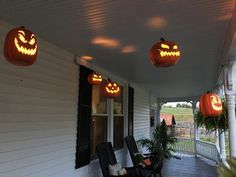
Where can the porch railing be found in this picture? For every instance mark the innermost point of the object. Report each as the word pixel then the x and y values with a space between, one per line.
pixel 185 146
pixel 208 150
pixel 203 148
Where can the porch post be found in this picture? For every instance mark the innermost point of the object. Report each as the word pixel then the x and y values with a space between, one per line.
pixel 158 112
pixel 217 138
pixel 196 137
pixel 229 76
pixel 222 145
pixel 230 98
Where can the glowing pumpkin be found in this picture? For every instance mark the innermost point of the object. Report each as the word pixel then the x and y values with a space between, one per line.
pixel 210 105
pixel 111 89
pixel 164 53
pixel 21 47
pixel 94 79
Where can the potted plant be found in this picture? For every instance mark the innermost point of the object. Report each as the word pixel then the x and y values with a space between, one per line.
pixel 212 123
pixel 159 143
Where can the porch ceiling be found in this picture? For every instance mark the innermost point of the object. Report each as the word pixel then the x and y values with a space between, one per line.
pixel 202 28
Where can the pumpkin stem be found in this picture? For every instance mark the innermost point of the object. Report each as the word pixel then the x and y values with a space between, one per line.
pixel 22 27
pixel 208 91
pixel 162 39
pixel 109 80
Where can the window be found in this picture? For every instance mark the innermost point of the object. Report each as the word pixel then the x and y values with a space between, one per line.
pixel 118 122
pixel 118 132
pixel 99 132
pixel 99 119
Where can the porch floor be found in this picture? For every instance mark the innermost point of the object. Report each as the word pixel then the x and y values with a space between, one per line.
pixel 189 166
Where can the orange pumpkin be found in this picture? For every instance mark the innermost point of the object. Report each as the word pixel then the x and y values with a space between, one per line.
pixel 94 79
pixel 210 105
pixel 164 53
pixel 111 89
pixel 21 47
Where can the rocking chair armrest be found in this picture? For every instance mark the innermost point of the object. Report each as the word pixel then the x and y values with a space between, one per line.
pixel 130 168
pixel 149 154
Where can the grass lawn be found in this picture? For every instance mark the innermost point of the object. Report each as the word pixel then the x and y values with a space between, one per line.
pixel 181 114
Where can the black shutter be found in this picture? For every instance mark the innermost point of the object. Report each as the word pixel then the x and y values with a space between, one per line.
pixel 130 111
pixel 84 119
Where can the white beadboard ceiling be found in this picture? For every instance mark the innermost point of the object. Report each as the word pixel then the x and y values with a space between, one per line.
pixel 203 29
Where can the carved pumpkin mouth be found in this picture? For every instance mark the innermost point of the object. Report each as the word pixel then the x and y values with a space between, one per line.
pixel 165 53
pixel 112 90
pixel 97 78
pixel 216 103
pixel 25 50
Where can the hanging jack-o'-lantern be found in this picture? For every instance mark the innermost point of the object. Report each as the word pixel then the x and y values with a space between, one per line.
pixel 210 105
pixel 94 78
pixel 111 89
pixel 164 53
pixel 21 47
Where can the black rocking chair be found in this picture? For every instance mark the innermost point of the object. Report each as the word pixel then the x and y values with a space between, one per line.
pixel 107 157
pixel 155 167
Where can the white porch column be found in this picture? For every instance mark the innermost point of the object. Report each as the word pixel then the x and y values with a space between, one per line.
pixel 196 136
pixel 158 112
pixel 232 124
pixel 217 138
pixel 229 86
pixel 222 145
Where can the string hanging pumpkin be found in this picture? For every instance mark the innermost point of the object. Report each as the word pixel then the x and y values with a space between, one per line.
pixel 94 78
pixel 21 47
pixel 111 89
pixel 164 53
pixel 210 104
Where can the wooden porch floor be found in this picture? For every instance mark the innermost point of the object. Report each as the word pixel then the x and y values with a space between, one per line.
pixel 189 166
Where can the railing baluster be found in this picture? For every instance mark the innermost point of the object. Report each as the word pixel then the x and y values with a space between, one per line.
pixel 206 149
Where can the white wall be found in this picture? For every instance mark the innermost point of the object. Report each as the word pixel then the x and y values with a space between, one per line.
pixel 38 116
pixel 141 114
pixel 38 112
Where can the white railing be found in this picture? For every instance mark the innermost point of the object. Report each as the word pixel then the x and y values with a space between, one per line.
pixel 185 146
pixel 208 150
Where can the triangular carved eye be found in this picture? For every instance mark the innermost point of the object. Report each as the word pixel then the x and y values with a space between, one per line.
pixel 164 46
pixel 21 36
pixel 175 47
pixel 32 40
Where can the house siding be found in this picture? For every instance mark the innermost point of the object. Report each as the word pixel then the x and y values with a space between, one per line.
pixel 141 114
pixel 38 116
pixel 38 113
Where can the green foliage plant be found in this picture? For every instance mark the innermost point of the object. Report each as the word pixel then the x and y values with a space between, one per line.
pixel 228 170
pixel 159 143
pixel 212 123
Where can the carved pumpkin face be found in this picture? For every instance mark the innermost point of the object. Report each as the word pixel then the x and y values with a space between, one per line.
pixel 21 47
pixel 94 79
pixel 210 105
pixel 111 90
pixel 164 54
